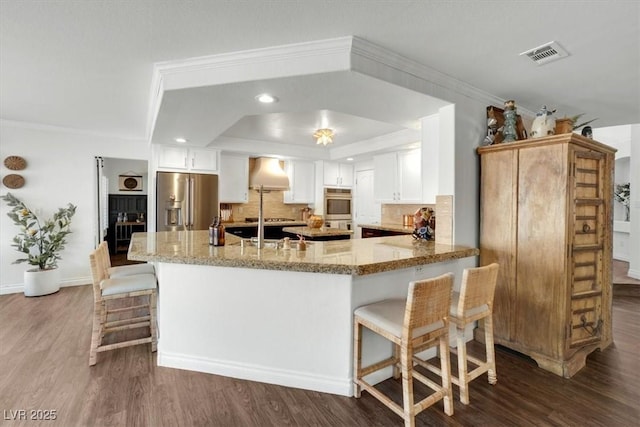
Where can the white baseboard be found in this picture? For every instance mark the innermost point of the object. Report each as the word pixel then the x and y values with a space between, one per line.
pixel 19 287
pixel 621 257
pixel 634 274
pixel 303 380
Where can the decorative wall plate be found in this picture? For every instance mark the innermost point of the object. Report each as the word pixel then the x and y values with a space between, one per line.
pixel 15 163
pixel 13 181
pixel 130 183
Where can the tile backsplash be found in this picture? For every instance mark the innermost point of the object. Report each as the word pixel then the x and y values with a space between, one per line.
pixel 273 207
pixel 392 214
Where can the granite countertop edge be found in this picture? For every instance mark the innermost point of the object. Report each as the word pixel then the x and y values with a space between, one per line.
pixel 309 267
pixel 389 227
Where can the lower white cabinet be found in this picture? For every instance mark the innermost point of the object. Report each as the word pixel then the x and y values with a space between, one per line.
pixel 397 177
pixel 301 182
pixel 233 180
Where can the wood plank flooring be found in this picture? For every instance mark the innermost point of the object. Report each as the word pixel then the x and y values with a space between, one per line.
pixel 44 353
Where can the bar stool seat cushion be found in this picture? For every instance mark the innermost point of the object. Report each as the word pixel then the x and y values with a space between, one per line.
pixel 455 298
pixel 129 270
pixel 389 315
pixel 123 285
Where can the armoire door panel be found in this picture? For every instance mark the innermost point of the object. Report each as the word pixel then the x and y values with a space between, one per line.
pixel 498 241
pixel 541 248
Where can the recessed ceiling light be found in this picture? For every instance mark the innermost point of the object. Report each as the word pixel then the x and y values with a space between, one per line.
pixel 181 140
pixel 350 159
pixel 266 98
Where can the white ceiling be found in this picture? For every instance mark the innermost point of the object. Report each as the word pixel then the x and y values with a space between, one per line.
pixel 87 65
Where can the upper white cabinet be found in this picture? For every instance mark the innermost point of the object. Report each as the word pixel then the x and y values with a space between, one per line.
pixel 398 177
pixel 301 182
pixel 203 160
pixel 191 159
pixel 337 174
pixel 233 179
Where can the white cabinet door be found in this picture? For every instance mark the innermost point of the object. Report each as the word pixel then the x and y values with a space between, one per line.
pixel 346 174
pixel 234 179
pixel 397 177
pixel 384 178
pixel 191 159
pixel 331 173
pixel 301 182
pixel 410 176
pixel 338 174
pixel 172 157
pixel 203 160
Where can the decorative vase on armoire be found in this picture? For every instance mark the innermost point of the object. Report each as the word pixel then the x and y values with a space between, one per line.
pixel 546 218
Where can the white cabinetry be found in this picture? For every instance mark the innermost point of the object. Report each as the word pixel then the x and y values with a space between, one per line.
pixel 183 158
pixel 234 179
pixel 301 182
pixel 397 177
pixel 337 174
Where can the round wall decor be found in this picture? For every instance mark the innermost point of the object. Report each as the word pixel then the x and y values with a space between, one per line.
pixel 13 181
pixel 15 163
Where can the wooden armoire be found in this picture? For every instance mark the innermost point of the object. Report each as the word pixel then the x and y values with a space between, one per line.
pixel 546 218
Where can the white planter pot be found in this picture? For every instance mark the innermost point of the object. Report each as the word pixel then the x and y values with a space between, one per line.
pixel 41 282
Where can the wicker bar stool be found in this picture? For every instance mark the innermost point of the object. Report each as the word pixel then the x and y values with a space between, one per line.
pixel 420 322
pixel 111 291
pixel 122 270
pixel 473 302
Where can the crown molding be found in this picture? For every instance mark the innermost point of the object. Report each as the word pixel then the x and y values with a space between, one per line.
pixel 316 57
pixel 377 144
pixel 339 54
pixel 396 64
pixel 253 64
pixel 267 148
pixel 60 129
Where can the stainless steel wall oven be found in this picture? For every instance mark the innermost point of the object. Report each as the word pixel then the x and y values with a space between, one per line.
pixel 337 204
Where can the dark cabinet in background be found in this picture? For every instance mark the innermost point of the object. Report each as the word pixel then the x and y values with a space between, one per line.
pixel 374 232
pixel 134 206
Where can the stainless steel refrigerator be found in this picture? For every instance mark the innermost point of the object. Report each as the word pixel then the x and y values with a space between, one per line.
pixel 185 201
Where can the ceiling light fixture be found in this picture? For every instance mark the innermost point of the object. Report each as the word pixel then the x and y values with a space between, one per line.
pixel 265 98
pixel 181 140
pixel 323 136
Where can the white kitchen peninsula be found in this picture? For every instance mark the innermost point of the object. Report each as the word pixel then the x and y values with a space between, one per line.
pixel 280 316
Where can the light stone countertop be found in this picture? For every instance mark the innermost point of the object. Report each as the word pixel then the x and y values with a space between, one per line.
pixel 317 232
pixel 352 256
pixel 389 227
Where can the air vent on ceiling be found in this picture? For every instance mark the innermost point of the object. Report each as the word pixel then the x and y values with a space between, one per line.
pixel 546 53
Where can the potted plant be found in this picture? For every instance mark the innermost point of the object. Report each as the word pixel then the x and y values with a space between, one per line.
pixel 41 242
pixel 568 124
pixel 622 194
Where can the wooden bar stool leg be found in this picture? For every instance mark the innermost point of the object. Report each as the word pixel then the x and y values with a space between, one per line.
pixel 357 357
pixel 491 356
pixel 396 356
pixel 96 333
pixel 463 379
pixel 445 369
pixel 406 361
pixel 153 312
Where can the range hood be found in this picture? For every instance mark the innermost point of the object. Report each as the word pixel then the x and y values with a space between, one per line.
pixel 269 175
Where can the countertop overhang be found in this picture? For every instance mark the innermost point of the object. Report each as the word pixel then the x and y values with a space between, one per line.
pixel 316 232
pixel 353 257
pixel 399 228
pixel 237 224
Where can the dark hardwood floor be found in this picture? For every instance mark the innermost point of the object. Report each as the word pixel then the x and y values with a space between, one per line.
pixel 44 353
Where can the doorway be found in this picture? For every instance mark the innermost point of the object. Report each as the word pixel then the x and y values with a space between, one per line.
pixel 367 210
pixel 122 186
